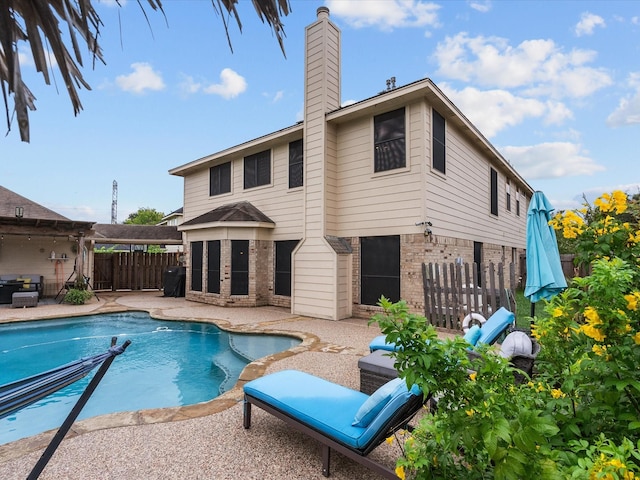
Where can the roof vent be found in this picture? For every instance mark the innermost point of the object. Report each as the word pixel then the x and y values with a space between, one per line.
pixel 391 83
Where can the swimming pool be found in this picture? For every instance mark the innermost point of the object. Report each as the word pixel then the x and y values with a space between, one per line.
pixel 169 363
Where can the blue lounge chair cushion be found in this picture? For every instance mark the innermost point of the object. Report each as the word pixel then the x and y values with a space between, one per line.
pixel 378 399
pixel 322 405
pixel 473 334
pixel 495 325
pixel 380 343
pixel 489 331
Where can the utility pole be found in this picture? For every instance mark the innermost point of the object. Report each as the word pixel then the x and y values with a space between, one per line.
pixel 114 203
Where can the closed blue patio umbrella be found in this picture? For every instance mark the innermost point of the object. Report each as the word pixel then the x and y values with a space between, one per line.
pixel 544 270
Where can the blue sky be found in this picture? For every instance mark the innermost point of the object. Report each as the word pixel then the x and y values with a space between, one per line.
pixel 555 86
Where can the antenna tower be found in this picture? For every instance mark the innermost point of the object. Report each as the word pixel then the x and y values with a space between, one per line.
pixel 114 203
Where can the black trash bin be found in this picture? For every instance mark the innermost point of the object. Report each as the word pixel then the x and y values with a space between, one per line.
pixel 174 281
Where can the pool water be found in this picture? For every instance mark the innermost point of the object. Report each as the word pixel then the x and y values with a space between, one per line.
pixel 168 364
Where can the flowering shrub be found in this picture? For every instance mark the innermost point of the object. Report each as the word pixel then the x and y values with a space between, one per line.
pixel 609 229
pixel 579 416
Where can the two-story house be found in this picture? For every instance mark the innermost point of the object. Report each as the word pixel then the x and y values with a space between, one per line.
pixel 327 215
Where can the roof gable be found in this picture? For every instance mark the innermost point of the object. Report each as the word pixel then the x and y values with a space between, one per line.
pixel 31 210
pixel 232 212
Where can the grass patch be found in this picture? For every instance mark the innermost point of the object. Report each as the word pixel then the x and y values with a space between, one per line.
pixel 523 310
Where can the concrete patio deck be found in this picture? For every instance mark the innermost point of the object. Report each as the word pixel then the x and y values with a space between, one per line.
pixel 203 441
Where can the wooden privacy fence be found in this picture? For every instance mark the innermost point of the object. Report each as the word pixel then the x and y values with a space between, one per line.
pixel 452 291
pixel 131 270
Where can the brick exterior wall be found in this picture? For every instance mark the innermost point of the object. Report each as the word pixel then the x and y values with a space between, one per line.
pixel 415 249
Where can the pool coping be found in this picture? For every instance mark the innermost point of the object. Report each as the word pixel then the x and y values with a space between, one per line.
pixel 255 369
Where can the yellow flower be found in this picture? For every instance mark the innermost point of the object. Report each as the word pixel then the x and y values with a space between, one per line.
pixel 557 393
pixel 470 412
pixel 592 316
pixel 632 300
pixel 389 440
pixel 619 201
pixel 473 376
pixel 617 463
pixel 636 338
pixel 557 312
pixel 593 332
pixel 599 350
pixel 400 472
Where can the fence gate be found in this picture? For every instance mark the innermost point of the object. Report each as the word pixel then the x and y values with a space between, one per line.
pixel 131 270
pixel 453 290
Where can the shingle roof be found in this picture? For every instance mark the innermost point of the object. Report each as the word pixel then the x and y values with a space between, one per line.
pixel 125 233
pixel 232 212
pixel 10 200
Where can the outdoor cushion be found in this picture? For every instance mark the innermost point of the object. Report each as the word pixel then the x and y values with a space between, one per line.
pixel 372 406
pixel 516 343
pixel 495 325
pixel 489 331
pixel 325 406
pixel 380 343
pixel 473 334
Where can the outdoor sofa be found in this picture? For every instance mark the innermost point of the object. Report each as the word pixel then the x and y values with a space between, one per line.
pixel 341 419
pixel 11 283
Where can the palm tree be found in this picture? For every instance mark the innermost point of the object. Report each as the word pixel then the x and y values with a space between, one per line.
pixel 39 22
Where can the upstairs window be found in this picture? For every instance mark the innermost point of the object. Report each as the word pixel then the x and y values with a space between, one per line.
pixel 438 145
pixel 257 169
pixel 517 201
pixel 296 164
pixel 389 141
pixel 220 179
pixel 508 197
pixel 494 192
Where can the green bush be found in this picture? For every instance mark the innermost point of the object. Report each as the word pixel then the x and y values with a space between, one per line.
pixel 77 296
pixel 579 416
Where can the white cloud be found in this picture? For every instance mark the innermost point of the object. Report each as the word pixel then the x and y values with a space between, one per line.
pixel 278 96
pixel 494 110
pixel 628 111
pixel 385 14
pixel 232 84
pixel 551 160
pixel 588 22
pixel 481 6
pixel 557 113
pixel 142 79
pixel 539 66
pixel 189 85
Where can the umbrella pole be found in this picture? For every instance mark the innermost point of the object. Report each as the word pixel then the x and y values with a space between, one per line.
pixel 75 411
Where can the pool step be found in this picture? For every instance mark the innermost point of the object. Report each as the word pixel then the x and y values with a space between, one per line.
pixel 231 364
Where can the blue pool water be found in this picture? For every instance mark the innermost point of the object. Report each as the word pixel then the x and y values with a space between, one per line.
pixel 168 364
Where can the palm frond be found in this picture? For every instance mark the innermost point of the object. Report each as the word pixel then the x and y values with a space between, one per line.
pixel 38 23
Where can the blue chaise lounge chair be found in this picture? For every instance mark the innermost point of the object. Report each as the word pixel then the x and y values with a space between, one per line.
pixel 488 333
pixel 341 419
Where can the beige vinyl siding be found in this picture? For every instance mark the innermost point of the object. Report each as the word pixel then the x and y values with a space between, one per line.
pixel 369 204
pixel 458 204
pixel 343 287
pixel 331 181
pixel 314 265
pixel 314 280
pixel 277 201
